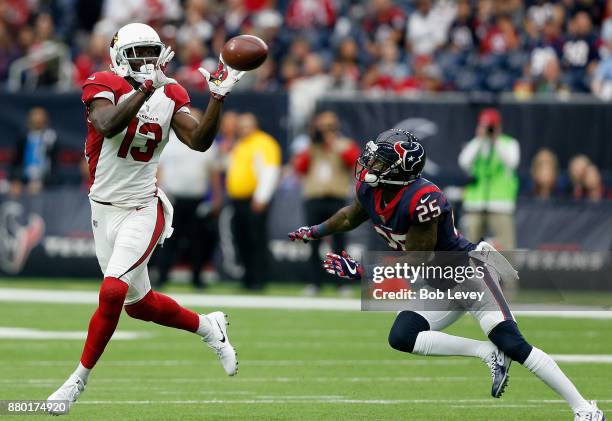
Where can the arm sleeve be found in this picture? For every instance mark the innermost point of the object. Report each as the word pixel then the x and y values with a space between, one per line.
pixel 267 179
pixel 468 155
pixel 509 153
pixel 267 168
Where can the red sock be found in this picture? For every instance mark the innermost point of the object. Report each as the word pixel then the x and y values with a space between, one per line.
pixel 163 310
pixel 104 321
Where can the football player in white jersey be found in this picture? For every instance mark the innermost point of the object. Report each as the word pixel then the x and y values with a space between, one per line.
pixel 130 112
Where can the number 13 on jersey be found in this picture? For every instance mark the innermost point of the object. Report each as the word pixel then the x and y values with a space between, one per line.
pixel 151 131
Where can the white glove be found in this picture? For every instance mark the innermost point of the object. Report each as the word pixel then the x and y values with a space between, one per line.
pixel 221 82
pixel 156 73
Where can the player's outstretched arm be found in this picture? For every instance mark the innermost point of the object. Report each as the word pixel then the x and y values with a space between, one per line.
pixel 420 237
pixel 346 219
pixel 200 135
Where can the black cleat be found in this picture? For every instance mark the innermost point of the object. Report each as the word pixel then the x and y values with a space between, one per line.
pixel 499 364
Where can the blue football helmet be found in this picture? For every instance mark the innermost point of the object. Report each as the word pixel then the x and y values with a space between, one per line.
pixel 396 157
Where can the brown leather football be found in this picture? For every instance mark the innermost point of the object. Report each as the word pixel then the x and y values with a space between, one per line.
pixel 244 52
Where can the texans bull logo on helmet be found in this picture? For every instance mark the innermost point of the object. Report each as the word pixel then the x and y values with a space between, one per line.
pixel 410 154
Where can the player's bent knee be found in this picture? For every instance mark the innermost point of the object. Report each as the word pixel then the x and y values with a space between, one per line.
pixel 112 294
pixel 507 337
pixel 405 330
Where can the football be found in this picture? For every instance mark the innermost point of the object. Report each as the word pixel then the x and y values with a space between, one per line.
pixel 244 52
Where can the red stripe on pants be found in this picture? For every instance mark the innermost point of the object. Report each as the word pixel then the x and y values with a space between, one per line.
pixel 157 232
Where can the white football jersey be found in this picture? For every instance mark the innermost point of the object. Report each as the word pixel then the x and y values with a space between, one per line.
pixel 123 168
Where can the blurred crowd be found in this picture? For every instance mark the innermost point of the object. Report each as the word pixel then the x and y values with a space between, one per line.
pixel 581 181
pixel 526 46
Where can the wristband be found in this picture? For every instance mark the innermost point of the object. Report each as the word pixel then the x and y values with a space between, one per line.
pixel 320 230
pixel 218 97
pixel 147 88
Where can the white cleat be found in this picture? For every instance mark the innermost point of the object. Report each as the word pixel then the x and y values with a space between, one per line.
pixel 219 342
pixel 68 393
pixel 593 414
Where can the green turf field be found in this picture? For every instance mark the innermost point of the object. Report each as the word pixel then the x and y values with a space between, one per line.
pixel 293 365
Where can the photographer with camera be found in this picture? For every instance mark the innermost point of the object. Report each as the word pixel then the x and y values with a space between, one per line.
pixel 326 169
pixel 491 160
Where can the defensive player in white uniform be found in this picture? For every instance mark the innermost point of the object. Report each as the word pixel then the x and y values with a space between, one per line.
pixel 130 112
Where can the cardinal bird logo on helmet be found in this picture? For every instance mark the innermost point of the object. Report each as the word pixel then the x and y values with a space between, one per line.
pixel 115 39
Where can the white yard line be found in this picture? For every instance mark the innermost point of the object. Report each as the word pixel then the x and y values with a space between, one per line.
pixel 25 333
pixel 582 359
pixel 310 400
pixel 272 302
pixel 564 358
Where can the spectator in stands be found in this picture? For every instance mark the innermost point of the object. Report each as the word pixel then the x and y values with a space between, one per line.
pixel 304 92
pixel 313 19
pixel 8 51
pixel 544 173
pixel 549 83
pixel 491 159
pixel 500 37
pixel 193 183
pixel 289 72
pixel 16 13
pixel 252 176
pixel 593 187
pixel 234 17
pixel 45 52
pixel 228 133
pixel 388 74
pixel 25 39
pixel 116 13
pixel 426 77
pixel 602 78
pixel 191 54
pixel 264 78
pixel 326 168
pixel 576 169
pixel 345 68
pixel 198 25
pixel 35 155
pixel 484 18
pixel 299 50
pixel 383 21
pixel 461 35
pixel 580 52
pixel 428 27
pixel 95 59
